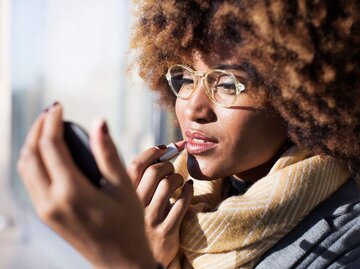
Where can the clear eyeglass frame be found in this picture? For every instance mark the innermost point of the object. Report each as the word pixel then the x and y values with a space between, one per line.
pixel 197 76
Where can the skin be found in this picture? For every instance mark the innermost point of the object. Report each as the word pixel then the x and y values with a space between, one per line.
pixel 131 224
pixel 247 138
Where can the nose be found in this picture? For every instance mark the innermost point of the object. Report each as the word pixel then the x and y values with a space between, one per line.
pixel 199 107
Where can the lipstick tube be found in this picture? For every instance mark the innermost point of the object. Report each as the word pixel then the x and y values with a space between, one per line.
pixel 171 152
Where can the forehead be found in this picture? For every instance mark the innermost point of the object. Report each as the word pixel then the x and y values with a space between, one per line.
pixel 202 61
pixel 199 63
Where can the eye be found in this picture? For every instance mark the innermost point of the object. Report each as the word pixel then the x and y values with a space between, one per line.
pixel 226 88
pixel 179 81
pixel 187 81
pixel 182 78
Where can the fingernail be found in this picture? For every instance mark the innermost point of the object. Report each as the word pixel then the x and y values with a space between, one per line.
pixel 190 181
pixel 162 146
pixel 48 108
pixel 104 128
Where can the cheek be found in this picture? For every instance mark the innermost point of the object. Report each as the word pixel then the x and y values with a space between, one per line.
pixel 247 140
pixel 239 139
pixel 179 110
pixel 259 140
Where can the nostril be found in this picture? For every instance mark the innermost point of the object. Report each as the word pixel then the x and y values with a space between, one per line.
pixel 201 121
pixel 200 111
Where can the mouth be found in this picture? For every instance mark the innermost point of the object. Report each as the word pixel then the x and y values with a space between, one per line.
pixel 197 143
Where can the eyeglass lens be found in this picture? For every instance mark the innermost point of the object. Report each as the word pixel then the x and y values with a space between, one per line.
pixel 220 86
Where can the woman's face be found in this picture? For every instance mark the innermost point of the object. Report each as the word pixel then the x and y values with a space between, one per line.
pixel 226 141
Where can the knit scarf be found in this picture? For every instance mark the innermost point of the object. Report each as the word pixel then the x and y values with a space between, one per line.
pixel 237 231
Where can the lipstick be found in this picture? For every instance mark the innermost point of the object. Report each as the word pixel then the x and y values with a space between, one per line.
pixel 173 149
pixel 197 143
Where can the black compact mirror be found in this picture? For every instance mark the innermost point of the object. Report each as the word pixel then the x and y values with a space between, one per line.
pixel 78 143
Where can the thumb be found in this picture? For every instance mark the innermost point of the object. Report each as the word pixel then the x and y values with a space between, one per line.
pixel 106 155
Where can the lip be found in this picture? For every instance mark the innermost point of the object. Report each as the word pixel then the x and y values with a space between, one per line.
pixel 198 143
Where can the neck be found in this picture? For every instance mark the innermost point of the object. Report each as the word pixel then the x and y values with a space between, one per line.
pixel 254 174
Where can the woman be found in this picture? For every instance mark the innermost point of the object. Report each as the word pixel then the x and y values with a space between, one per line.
pixel 267 98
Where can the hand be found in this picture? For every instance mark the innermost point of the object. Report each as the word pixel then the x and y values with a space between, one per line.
pixel 107 228
pixel 155 184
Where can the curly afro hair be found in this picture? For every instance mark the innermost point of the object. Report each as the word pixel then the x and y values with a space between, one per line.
pixel 301 56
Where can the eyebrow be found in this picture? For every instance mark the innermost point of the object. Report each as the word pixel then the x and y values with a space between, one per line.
pixel 237 67
pixel 230 66
pixel 250 72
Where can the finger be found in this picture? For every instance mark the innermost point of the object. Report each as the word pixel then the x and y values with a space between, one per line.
pixel 34 175
pixel 30 166
pixel 138 166
pixel 178 210
pixel 54 152
pixel 150 180
pixel 163 193
pixel 34 133
pixel 106 154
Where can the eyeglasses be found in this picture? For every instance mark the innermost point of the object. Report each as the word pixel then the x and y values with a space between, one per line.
pixel 221 86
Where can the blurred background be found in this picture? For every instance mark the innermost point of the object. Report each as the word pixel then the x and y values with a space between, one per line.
pixel 75 52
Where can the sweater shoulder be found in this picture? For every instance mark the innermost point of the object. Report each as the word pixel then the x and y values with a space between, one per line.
pixel 329 237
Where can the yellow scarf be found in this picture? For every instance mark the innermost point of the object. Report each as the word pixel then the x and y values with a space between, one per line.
pixel 237 231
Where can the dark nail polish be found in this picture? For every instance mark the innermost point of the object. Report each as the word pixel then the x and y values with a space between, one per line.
pixel 162 146
pixel 50 107
pixel 104 128
pixel 191 182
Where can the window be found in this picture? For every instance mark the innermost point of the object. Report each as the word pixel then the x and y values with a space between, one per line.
pixel 74 52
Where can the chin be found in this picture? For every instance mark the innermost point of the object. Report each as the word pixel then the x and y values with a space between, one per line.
pixel 202 170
